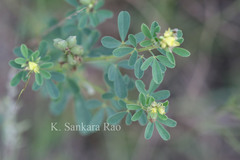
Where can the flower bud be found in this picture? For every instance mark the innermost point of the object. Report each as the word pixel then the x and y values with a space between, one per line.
pixel 71 60
pixel 77 50
pixel 60 44
pixel 72 41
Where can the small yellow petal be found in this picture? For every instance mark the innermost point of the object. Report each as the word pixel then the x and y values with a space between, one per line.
pixel 161 110
pixel 33 67
pixel 154 110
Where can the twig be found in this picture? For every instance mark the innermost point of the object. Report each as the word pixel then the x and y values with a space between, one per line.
pixel 25 86
pixel 62 22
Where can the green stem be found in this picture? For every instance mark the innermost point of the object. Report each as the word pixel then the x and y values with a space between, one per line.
pixel 147 48
pixel 25 86
pixel 101 58
pixel 108 58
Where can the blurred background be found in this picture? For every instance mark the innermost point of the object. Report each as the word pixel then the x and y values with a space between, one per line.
pixel 205 95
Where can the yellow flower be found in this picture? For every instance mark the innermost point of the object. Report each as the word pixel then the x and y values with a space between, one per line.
pixel 32 66
pixel 171 42
pixel 154 104
pixel 168 33
pixel 161 110
pixel 154 110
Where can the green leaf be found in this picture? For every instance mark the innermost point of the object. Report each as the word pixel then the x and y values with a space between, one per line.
pixel 122 104
pixel 43 47
pixel 92 104
pixel 146 43
pixel 120 86
pixel 20 60
pixel 98 4
pixel 73 86
pixel 166 103
pixel 112 72
pixel 132 40
pixel 58 106
pixel 35 55
pixel 122 51
pixel 156 72
pixel 93 19
pixel 161 95
pixel 103 15
pixel 179 33
pixel 13 64
pixel 97 118
pixel 164 60
pixel 155 28
pixel 123 24
pixel 17 52
pixel 140 86
pixel 57 76
pixel 74 3
pixel 169 122
pixel 24 50
pixel 180 40
pixel 162 131
pixel 181 52
pixel 149 130
pixel 139 37
pixel 142 99
pixel 143 119
pixel 137 69
pixel 82 21
pixel 137 115
pixel 110 42
pixel 46 65
pixel 107 95
pixel 24 76
pixel 133 58
pixel 35 87
pixel 133 107
pixel 116 105
pixel 52 89
pixel 38 79
pixel 45 74
pixel 150 99
pixel 124 64
pixel 16 79
pixel 152 87
pixel 146 31
pixel 147 63
pixel 128 120
pixel 162 117
pixel 82 114
pixel 116 118
pixel 170 57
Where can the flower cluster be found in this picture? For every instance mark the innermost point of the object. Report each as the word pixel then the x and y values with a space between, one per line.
pixel 70 48
pixel 154 109
pixel 69 45
pixel 169 39
pixel 32 66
